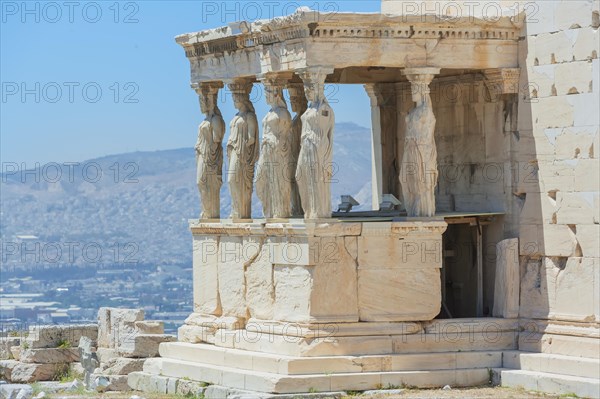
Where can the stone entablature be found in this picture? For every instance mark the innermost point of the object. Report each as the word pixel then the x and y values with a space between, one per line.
pixel 306 37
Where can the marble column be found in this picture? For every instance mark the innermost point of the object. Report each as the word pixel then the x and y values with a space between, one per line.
pixel 383 140
pixel 376 157
pixel 242 150
pixel 299 105
pixel 418 170
pixel 273 184
pixel 209 150
pixel 315 161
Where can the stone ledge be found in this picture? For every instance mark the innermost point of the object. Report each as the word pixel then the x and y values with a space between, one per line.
pixel 297 384
pixel 551 383
pixel 289 365
pixel 550 363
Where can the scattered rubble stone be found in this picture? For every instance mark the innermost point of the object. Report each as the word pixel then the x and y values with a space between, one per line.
pixel 6 343
pixel 124 341
pixel 56 336
pixel 122 366
pixel 6 368
pixel 32 372
pixel 104 354
pixel 144 345
pixel 16 391
pixel 50 355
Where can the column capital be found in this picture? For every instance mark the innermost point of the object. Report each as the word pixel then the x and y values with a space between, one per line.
pixel 276 78
pixel 421 75
pixel 240 85
pixel 502 81
pixel 204 88
pixel 315 74
pixel 380 93
pixel 373 93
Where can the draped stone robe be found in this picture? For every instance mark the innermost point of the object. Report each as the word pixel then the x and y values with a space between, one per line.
pixel 209 164
pixel 273 186
pixel 314 170
pixel 242 152
pixel 419 163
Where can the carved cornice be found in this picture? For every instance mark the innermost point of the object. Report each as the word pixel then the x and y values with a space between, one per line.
pixel 324 27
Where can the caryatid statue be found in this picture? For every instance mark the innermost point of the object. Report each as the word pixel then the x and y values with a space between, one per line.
pixel 418 171
pixel 299 104
pixel 315 161
pixel 209 151
pixel 273 186
pixel 242 150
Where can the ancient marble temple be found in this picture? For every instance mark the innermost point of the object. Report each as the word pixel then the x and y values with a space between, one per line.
pixel 441 289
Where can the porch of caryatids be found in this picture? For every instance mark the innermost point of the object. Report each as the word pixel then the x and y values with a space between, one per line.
pixel 418 170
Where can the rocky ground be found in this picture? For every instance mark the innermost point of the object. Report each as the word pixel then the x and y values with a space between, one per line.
pixel 463 393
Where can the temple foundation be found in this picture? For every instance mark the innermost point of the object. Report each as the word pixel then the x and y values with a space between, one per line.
pixel 325 306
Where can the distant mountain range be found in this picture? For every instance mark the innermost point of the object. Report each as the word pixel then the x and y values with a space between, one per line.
pixel 134 206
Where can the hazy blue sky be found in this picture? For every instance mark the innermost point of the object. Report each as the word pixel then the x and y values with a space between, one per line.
pixel 56 56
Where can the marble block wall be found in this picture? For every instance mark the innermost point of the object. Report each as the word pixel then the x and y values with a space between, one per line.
pixel 559 143
pixel 548 154
pixel 315 273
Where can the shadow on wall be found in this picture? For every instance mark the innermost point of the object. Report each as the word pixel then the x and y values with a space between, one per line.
pixel 557 189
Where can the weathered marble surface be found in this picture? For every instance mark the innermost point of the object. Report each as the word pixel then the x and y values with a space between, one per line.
pixel 419 169
pixel 507 284
pixel 315 161
pixel 242 150
pixel 299 105
pixel 328 272
pixel 209 151
pixel 273 185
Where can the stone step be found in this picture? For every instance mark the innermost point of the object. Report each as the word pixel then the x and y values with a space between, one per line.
pixel 551 363
pixel 287 365
pixel 557 344
pixel 278 383
pixel 551 383
pixel 452 340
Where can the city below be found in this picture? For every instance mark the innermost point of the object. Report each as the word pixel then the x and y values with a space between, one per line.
pixel 74 295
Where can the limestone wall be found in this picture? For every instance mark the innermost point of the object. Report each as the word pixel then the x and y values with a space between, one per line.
pixel 548 152
pixel 559 144
pixel 313 273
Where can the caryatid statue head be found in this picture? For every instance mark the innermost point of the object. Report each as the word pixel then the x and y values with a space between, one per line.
pixel 208 94
pixel 297 97
pixel 240 92
pixel 314 83
pixel 274 93
pixel 273 85
pixel 420 92
pixel 420 79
